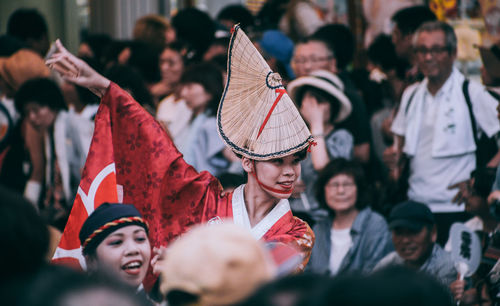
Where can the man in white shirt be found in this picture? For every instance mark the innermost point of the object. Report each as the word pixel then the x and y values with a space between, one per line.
pixel 434 126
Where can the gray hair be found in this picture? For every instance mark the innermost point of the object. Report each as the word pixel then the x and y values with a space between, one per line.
pixel 431 26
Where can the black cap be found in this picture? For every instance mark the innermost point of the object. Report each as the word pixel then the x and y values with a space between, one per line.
pixel 410 214
pixel 100 223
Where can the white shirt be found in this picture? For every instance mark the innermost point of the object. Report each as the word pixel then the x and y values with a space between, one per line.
pixel 433 167
pixel 341 242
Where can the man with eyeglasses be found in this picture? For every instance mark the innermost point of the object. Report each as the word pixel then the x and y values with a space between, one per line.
pixel 435 126
pixel 314 53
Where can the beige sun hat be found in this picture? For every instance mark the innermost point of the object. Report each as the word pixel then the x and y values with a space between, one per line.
pixel 256 117
pixel 327 82
pixel 220 263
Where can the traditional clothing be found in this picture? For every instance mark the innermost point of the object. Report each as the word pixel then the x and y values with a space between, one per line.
pixel 190 197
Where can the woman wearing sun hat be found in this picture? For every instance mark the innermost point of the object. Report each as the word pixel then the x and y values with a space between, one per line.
pixel 259 122
pixel 322 103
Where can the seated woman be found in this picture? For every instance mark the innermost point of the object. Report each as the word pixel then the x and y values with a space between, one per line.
pixel 201 87
pixel 353 237
pixel 256 119
pixel 114 240
pixel 67 139
pixel 172 111
pixel 322 104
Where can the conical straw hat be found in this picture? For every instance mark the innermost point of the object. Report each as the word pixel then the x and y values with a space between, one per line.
pixel 256 117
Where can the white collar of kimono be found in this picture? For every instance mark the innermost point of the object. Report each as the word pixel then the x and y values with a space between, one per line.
pixel 240 214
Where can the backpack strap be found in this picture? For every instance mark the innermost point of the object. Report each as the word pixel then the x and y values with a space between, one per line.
pixel 465 89
pixel 410 100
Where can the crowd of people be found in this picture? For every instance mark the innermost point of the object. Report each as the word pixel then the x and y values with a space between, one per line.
pixel 342 180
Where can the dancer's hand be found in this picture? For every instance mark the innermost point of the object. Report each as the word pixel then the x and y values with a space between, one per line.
pixel 74 70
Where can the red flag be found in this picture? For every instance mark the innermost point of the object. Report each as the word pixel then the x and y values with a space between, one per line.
pixel 130 152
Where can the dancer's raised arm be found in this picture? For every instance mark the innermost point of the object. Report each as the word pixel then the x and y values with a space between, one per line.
pixel 77 71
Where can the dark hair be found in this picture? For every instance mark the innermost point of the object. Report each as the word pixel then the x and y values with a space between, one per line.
pixel 59 285
pixel 84 94
pixel 409 19
pixel 196 28
pixel 450 37
pixel 128 78
pixel 382 52
pixel 24 236
pixel 342 166
pixel 395 285
pixel 296 287
pixel 42 91
pixel 228 179
pixel 10 45
pixel 238 14
pixel 483 181
pixel 151 29
pixel 98 43
pixel 208 75
pixel 322 97
pixel 177 297
pixel 270 14
pixel 146 60
pixel 27 23
pixel 340 40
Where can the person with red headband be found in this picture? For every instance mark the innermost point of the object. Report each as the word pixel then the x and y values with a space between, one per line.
pixel 257 120
pixel 114 240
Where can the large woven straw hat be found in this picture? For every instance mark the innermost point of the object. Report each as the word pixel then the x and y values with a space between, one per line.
pixel 327 82
pixel 256 117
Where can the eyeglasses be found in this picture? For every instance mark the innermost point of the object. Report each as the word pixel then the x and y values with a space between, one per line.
pixel 345 185
pixel 434 51
pixel 312 59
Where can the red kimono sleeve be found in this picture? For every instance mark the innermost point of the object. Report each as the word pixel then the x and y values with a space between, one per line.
pixel 171 194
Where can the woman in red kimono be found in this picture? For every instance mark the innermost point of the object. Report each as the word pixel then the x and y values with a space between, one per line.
pixel 257 120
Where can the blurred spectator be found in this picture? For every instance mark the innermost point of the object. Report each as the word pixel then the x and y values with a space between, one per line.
pixel 172 111
pixel 341 40
pixel 10 45
pixel 315 54
pixel 144 58
pixel 393 286
pixel 377 14
pixel 352 237
pixel 301 19
pixel 154 30
pixel 61 286
pixel 236 14
pixel 29 26
pixel 24 237
pixel 322 104
pixel 201 88
pixel 437 127
pixel 291 290
pixel 220 264
pixel 382 83
pixel 197 29
pixel 406 22
pixel 277 50
pixel 129 79
pixel 414 236
pixel 66 138
pixel 217 48
pixel 95 46
pixel 14 71
pixel 476 203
